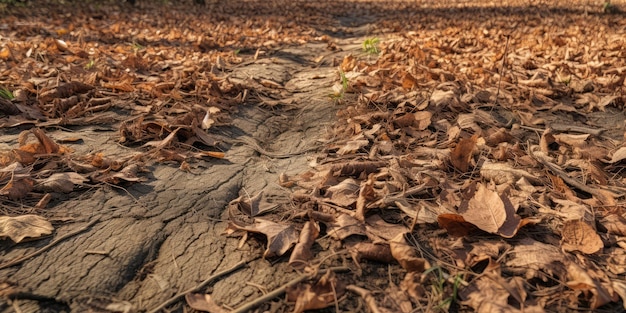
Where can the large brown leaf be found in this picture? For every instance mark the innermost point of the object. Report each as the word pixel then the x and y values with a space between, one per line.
pixel 24 226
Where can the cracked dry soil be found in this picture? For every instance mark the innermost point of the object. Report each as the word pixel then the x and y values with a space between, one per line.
pixel 152 240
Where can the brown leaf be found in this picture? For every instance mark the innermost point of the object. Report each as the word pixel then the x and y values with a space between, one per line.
pixel 513 221
pixel 579 236
pixel 49 146
pixel 254 206
pixel 19 227
pixel 615 224
pixel 344 226
pixel 580 278
pixel 321 295
pixel 491 294
pixel 422 120
pixel 408 81
pixel 375 225
pixel 128 173
pixel 65 91
pixel 455 224
pixel 367 194
pixel 371 251
pixel 160 144
pixel 302 251
pixel 343 194
pixel 534 259
pixel 356 168
pixel 461 155
pixel 280 237
pixel 203 302
pixel 353 146
pixel 17 188
pixel 407 255
pixel 485 210
pixel 618 155
pixel 61 182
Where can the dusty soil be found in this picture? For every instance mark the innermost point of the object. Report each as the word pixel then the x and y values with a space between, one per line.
pixel 121 245
pixel 145 242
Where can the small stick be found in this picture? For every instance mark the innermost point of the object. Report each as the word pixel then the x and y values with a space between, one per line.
pixel 577 129
pixel 367 297
pixel 506 50
pixel 282 289
pixel 48 246
pixel 176 297
pixel 571 181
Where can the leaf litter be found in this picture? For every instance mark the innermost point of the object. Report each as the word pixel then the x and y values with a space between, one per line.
pixel 481 158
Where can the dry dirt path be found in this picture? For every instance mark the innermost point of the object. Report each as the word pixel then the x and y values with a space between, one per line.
pixel 138 246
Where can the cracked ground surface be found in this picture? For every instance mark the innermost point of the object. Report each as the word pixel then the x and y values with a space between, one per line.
pixel 151 240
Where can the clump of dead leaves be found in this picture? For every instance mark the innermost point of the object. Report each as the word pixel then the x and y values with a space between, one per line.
pixel 489 142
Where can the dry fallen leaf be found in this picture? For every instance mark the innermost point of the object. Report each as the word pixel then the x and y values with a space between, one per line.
pixel 579 236
pixel 203 302
pixel 24 226
pixel 17 188
pixel 345 193
pixel 462 154
pixel 407 255
pixel 280 237
pixel 60 182
pixel 253 206
pixel 321 295
pixel 302 251
pixel 455 224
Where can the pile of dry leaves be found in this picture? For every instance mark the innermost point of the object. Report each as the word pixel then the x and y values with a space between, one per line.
pixel 508 136
pixel 483 154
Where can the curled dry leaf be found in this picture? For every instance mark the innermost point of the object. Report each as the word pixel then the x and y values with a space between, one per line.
pixel 491 294
pixel 412 285
pixel 323 294
pixel 367 195
pixel 60 182
pixel 618 155
pixel 280 237
pixel 615 224
pixel 455 224
pixel 461 155
pixel 254 206
pixel 535 259
pixel 579 236
pixel 160 144
pixel 582 279
pixel 345 193
pixel 203 302
pixel 356 168
pixel 378 227
pixel 371 251
pixel 353 146
pixel 24 226
pixel 344 226
pixel 17 188
pixel 407 255
pixel 65 90
pixel 302 251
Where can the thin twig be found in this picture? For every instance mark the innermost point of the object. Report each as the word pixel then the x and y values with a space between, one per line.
pixel 578 129
pixel 211 278
pixel 48 246
pixel 282 289
pixel 506 49
pixel 367 297
pixel 600 193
